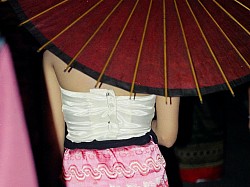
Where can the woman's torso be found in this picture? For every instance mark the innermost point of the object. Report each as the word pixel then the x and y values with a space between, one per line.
pixel 101 114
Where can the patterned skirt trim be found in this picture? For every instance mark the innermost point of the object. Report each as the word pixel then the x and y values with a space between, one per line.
pixel 127 166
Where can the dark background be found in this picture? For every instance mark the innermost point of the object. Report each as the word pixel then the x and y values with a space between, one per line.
pixel 232 113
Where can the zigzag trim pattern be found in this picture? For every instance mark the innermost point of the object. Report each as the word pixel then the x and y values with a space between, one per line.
pixel 118 169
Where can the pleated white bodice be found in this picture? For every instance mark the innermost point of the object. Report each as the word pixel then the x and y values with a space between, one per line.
pixel 101 115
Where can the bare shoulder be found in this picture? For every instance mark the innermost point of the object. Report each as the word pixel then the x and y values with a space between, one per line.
pixel 52 59
pixel 75 80
pixel 48 56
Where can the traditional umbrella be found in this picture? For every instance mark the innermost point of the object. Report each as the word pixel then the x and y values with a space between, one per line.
pixel 163 47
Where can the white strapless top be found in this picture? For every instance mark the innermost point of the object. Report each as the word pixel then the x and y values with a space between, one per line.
pixel 101 115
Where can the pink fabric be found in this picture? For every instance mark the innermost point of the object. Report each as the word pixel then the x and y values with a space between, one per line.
pixel 130 166
pixel 16 162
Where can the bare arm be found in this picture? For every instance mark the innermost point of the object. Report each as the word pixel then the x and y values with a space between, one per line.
pixel 54 95
pixel 166 126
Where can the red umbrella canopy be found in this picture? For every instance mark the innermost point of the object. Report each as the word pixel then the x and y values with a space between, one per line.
pixel 163 47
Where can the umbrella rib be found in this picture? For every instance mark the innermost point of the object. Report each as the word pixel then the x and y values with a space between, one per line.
pixel 233 18
pixel 165 49
pixel 70 25
pixel 188 53
pixel 116 44
pixel 225 35
pixel 68 67
pixel 140 49
pixel 211 51
pixel 240 3
pixel 43 12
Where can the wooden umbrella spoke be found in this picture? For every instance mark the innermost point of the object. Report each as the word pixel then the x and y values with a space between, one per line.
pixel 189 54
pixel 165 50
pixel 211 51
pixel 68 67
pixel 233 18
pixel 140 49
pixel 69 26
pixel 116 44
pixel 43 12
pixel 244 6
pixel 225 35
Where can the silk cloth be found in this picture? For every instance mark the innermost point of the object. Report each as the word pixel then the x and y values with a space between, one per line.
pixel 17 167
pixel 99 116
pixel 129 166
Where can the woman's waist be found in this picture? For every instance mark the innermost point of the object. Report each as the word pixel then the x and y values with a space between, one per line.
pixel 112 143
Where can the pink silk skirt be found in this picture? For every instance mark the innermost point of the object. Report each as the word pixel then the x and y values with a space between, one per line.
pixel 128 166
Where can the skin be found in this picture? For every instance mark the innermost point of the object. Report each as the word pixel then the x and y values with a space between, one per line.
pixel 166 126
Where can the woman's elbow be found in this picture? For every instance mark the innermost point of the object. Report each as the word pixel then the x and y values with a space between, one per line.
pixel 166 141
